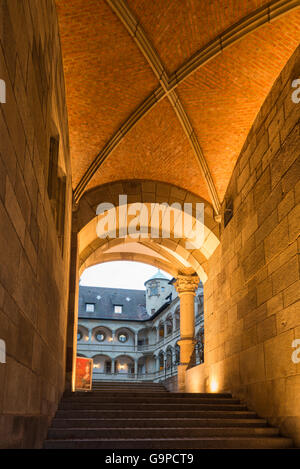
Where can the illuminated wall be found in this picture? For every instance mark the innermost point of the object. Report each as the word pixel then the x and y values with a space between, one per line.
pixel 252 308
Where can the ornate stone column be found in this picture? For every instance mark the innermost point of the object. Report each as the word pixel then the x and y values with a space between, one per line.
pixel 186 285
pixel 157 364
pixel 174 323
pixel 112 366
pixel 135 368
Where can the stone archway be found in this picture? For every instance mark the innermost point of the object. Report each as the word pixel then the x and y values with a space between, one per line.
pixel 171 254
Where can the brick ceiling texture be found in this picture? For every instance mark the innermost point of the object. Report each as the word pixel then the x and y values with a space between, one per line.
pixel 108 78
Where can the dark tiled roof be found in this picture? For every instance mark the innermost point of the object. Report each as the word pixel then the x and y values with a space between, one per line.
pixel 135 309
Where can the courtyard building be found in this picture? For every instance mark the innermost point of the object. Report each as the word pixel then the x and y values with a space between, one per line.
pixel 130 339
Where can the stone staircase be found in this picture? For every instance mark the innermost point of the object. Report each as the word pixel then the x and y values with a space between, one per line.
pixel 147 416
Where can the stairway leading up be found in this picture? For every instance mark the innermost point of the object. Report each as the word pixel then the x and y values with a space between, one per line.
pixel 147 416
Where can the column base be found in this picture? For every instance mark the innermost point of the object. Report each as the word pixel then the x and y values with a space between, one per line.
pixel 181 374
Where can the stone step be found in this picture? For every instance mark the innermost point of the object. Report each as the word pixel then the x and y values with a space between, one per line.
pixel 128 389
pixel 155 423
pixel 141 391
pixel 146 394
pixel 116 414
pixel 128 385
pixel 156 433
pixel 136 417
pixel 166 406
pixel 174 443
pixel 148 400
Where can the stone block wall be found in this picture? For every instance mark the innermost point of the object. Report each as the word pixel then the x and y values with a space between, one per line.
pixel 252 307
pixel 33 268
pixel 171 384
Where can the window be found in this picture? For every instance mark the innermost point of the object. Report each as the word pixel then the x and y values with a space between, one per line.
pixel 161 361
pixel 57 190
pixel 123 337
pixel 177 354
pixel 100 336
pixel 228 213
pixel 79 335
pixel 90 307
pixel 154 290
pixel 118 309
pixel 52 172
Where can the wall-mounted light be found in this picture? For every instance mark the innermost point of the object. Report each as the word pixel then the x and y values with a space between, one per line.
pixel 213 385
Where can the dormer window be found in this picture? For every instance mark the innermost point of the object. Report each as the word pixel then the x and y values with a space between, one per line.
pixel 118 309
pixel 90 307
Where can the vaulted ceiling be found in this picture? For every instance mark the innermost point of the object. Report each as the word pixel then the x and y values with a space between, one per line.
pixel 167 90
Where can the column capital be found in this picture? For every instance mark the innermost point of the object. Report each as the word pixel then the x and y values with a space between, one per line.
pixel 187 283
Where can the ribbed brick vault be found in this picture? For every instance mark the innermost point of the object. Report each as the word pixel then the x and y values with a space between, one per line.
pixel 168 90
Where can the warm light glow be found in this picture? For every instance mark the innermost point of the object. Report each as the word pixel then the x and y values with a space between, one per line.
pixel 86 338
pixel 97 365
pixel 195 384
pixel 214 385
pixel 110 339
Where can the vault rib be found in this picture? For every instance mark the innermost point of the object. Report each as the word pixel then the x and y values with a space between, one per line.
pixel 245 26
pixel 231 36
pixel 136 31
